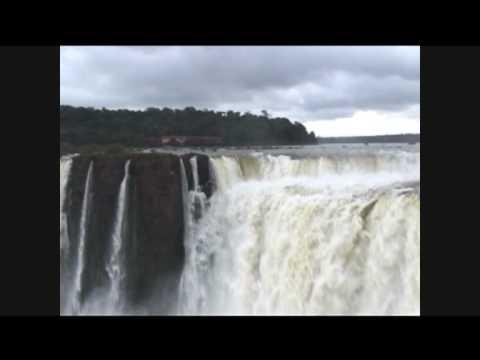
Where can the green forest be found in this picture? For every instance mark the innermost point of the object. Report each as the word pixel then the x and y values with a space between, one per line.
pixel 82 126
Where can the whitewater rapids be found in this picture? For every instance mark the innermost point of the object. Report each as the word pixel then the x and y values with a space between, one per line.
pixel 307 231
pixel 330 235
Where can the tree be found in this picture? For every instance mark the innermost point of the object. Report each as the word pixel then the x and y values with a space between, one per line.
pixel 87 126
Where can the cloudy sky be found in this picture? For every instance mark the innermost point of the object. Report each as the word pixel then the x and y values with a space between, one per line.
pixel 334 91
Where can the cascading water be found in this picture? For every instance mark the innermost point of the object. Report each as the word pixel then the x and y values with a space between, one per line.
pixel 115 267
pixel 329 235
pixel 65 168
pixel 194 207
pixel 77 293
pixel 305 232
pixel 198 197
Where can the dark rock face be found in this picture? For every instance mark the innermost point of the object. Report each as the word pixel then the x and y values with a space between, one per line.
pixel 107 177
pixel 155 252
pixel 152 248
pixel 204 177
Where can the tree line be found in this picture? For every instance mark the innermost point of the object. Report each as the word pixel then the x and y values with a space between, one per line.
pixel 82 126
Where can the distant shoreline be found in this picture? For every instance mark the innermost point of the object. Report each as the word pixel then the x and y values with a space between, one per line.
pixel 400 138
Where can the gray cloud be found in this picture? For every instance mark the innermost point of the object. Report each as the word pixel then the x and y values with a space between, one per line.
pixel 302 83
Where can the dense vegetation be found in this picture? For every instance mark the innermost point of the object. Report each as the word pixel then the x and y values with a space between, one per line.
pixel 81 126
pixel 401 138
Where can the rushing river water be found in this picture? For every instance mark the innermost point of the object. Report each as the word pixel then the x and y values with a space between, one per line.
pixel 337 232
pixel 316 230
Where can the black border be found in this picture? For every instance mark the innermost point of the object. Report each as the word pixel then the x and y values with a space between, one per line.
pixel 235 38
pixel 449 156
pixel 29 264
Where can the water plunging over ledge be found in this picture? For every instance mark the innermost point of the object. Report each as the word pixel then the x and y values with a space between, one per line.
pixel 302 231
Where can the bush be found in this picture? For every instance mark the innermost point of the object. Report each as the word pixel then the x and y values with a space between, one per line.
pixel 83 126
pixel 115 149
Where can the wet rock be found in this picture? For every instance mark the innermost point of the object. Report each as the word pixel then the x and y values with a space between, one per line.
pixel 205 179
pixel 155 252
pixel 152 249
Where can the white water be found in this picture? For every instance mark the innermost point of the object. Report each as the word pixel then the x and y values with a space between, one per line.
pixel 76 303
pixel 343 167
pixel 198 197
pixel 331 235
pixel 115 267
pixel 65 168
pixel 194 207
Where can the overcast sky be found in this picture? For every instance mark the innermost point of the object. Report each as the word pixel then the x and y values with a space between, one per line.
pixel 334 91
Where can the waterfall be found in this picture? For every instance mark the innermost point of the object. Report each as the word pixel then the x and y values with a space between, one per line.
pixel 82 239
pixel 321 236
pixel 115 267
pixel 194 164
pixel 65 168
pixel 194 206
pixel 331 233
pixel 198 197
pixel 185 280
pixel 186 201
pixel 233 170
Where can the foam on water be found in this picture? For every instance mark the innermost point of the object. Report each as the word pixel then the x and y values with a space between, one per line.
pixel 323 236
